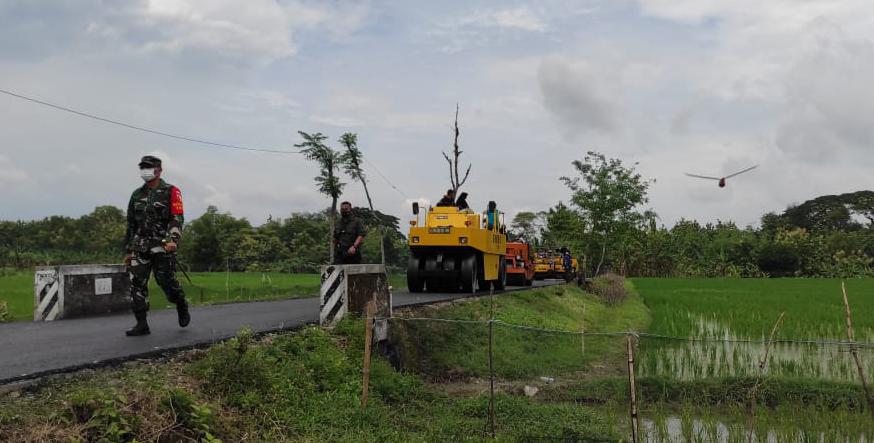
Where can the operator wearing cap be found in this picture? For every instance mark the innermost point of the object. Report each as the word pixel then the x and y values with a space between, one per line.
pixel 154 227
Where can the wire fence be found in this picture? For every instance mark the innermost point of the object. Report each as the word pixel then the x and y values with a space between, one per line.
pixel 543 384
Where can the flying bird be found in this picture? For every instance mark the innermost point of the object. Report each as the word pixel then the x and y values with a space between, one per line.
pixel 721 180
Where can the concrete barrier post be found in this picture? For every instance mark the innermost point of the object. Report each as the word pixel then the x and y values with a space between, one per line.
pixel 80 291
pixel 348 288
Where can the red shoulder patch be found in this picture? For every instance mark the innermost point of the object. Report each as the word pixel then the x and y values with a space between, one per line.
pixel 176 207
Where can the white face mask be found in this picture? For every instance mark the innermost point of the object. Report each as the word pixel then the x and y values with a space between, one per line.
pixel 147 174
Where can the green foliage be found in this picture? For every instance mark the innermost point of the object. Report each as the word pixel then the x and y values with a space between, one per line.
pixel 610 288
pixel 527 226
pixel 191 415
pixel 832 212
pixel 99 412
pixel 814 307
pixel 92 238
pixel 778 260
pixel 4 312
pixel 608 194
pixel 449 351
pixel 329 161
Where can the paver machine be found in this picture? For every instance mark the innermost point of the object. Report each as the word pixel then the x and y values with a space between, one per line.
pixel 520 264
pixel 456 250
pixel 550 264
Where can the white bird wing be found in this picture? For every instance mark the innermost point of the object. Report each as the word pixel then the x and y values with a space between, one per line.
pixel 702 176
pixel 741 172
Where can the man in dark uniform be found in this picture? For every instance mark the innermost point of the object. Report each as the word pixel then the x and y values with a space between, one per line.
pixel 348 235
pixel 154 227
pixel 448 199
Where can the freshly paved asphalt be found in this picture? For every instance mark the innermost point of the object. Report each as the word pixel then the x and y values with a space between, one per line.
pixel 33 349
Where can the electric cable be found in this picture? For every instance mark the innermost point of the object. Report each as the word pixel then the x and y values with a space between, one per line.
pixel 142 129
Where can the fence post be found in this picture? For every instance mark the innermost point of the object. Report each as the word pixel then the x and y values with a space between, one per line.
pixel 855 351
pixel 201 295
pixel 491 380
pixel 632 389
pixel 368 340
pixel 583 333
pixel 751 419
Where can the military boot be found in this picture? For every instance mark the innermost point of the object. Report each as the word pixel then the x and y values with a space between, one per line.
pixel 141 328
pixel 182 310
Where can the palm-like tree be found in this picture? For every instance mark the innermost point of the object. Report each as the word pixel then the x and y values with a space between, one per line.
pixel 329 160
pixel 352 159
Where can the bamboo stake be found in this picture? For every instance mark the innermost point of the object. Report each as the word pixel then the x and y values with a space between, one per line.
pixel 583 333
pixel 491 380
pixel 632 389
pixel 855 351
pixel 751 417
pixel 368 339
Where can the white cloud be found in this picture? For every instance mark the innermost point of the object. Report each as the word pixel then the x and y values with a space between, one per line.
pixel 261 27
pixel 520 17
pixel 483 27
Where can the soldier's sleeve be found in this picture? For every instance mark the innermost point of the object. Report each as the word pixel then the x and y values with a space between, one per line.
pixel 360 229
pixel 177 216
pixel 131 225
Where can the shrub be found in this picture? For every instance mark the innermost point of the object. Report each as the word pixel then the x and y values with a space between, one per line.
pixel 610 288
pixel 197 418
pixel 779 260
pixel 99 412
pixel 5 315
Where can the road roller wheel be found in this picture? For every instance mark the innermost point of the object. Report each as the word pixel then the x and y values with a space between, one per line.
pixel 469 274
pixel 501 282
pixel 415 283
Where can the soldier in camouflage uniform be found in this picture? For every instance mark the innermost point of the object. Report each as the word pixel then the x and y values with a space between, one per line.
pixel 154 227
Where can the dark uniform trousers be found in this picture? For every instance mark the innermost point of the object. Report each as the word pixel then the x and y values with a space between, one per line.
pixel 163 265
pixel 342 257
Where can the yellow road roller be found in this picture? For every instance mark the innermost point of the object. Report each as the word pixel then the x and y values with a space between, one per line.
pixel 457 250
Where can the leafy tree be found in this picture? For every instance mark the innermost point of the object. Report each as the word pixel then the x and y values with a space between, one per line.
pixel 565 227
pixel 527 225
pixel 608 194
pixel 329 161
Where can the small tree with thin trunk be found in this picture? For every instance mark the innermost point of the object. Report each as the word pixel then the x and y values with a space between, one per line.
pixel 329 160
pixel 608 193
pixel 352 158
pixel 454 178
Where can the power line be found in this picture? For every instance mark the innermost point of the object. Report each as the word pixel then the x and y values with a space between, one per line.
pixel 385 178
pixel 142 129
pixel 178 137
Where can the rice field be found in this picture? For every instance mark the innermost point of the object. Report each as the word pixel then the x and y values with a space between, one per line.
pixel 726 322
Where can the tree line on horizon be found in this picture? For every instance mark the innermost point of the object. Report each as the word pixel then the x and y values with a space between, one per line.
pixel 607 226
pixel 605 223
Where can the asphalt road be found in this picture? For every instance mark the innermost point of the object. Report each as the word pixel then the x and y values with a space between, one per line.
pixel 33 349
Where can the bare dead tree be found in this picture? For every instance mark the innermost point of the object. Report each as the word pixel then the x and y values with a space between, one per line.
pixel 454 179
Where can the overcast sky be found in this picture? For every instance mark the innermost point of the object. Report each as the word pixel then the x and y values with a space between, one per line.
pixel 700 86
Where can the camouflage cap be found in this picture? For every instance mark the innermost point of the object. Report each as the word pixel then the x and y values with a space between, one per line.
pixel 150 161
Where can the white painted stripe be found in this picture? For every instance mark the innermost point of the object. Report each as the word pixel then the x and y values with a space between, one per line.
pixel 54 312
pixel 48 298
pixel 329 282
pixel 338 297
pixel 340 314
